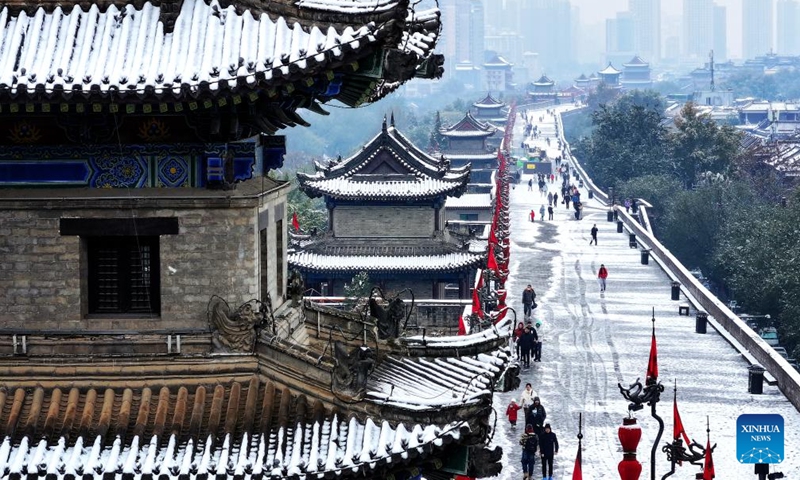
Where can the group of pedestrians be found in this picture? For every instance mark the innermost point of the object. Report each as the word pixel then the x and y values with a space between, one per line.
pixel 538 439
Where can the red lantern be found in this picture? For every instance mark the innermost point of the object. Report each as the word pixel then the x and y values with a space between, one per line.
pixel 629 468
pixel 629 435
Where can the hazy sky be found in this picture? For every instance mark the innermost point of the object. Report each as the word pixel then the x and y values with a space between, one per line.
pixel 595 10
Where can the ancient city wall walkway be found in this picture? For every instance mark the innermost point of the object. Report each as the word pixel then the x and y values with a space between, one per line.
pixel 594 340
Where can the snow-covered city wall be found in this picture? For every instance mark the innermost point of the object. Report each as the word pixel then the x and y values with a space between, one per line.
pixel 787 377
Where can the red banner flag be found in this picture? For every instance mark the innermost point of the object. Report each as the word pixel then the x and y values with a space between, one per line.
pixel 708 467
pixel 295 223
pixel 476 303
pixel 492 236
pixel 491 262
pixel 652 363
pixel 462 329
pixel 577 472
pixel 678 429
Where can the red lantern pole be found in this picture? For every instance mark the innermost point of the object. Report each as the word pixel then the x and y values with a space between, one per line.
pixel 629 435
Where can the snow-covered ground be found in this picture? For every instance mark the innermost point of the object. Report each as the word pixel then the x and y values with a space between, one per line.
pixel 594 340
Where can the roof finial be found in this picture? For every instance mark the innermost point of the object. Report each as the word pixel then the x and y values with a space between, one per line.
pixel 384 123
pixel 392 121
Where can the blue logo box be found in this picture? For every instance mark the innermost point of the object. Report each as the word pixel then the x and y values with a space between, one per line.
pixel 759 438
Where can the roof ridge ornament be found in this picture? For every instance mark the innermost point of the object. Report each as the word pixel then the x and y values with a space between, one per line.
pixel 384 128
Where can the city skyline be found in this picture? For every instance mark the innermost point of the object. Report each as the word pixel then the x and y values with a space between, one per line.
pixel 599 12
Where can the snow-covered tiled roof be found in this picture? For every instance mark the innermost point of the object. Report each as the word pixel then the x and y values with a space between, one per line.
pixel 468 126
pixel 636 61
pixel 321 262
pixel 286 437
pixel 609 70
pixel 388 167
pixel 489 102
pixel 470 200
pixel 126 51
pixel 544 80
pixel 430 384
pixel 348 6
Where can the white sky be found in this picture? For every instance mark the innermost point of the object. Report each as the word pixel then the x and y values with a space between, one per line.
pixel 596 10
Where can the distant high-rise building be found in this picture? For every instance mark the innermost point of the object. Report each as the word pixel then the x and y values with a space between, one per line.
pixel 698 27
pixel 462 38
pixel 501 16
pixel 646 16
pixel 757 21
pixel 620 38
pixel 720 33
pixel 548 31
pixel 788 24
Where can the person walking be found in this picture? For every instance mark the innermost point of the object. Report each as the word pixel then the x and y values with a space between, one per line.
pixel 593 232
pixel 527 396
pixel 530 184
pixel 555 199
pixel 537 349
pixel 527 343
pixel 530 445
pixel 511 412
pixel 549 198
pixel 528 299
pixel 541 212
pixel 536 415
pixel 567 199
pixel 533 215
pixel 627 205
pixel 517 334
pixel 602 275
pixel 550 212
pixel 548 448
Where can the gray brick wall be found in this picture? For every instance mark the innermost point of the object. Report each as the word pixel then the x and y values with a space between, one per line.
pixel 381 222
pixel 43 282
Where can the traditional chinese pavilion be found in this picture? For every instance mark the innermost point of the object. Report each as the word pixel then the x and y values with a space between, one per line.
pixel 610 76
pixel 135 207
pixel 466 145
pixel 490 110
pixel 543 89
pixel 386 217
pixel 636 75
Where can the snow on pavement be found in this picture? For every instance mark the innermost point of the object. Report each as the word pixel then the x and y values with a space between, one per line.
pixel 594 340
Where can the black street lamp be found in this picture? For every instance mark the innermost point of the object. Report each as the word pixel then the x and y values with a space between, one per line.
pixel 649 394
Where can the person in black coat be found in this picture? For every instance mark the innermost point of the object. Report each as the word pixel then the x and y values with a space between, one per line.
pixel 536 416
pixel 548 448
pixel 526 344
pixel 528 299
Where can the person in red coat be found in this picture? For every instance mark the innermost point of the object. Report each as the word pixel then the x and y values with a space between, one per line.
pixel 511 412
pixel 533 216
pixel 602 274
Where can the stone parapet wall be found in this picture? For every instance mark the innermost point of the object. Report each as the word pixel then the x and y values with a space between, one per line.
pixel 787 377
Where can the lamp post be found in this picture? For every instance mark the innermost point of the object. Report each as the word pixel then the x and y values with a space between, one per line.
pixel 650 394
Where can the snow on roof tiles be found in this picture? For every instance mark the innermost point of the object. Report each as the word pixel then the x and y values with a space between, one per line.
pixel 422 176
pixel 411 263
pixel 127 50
pixel 348 6
pixel 470 200
pixel 433 383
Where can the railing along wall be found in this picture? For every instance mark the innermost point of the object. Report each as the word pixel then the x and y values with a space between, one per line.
pixel 574 164
pixel 787 377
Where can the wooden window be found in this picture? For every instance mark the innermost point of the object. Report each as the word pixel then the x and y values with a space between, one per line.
pixel 279 256
pixel 264 265
pixel 124 275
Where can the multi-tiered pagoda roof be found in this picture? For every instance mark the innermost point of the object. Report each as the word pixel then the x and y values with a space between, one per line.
pixel 389 167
